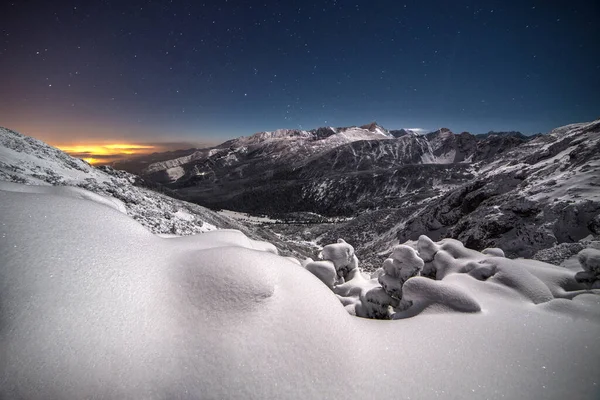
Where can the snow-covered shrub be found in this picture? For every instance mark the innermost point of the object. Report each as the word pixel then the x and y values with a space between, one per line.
pixel 360 294
pixel 343 258
pixel 421 293
pixel 403 264
pixel 590 262
pixel 377 296
pixel 400 288
pixel 427 250
pixel 376 304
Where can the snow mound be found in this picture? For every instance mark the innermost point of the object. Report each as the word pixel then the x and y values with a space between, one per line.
pixel 93 305
pixel 423 293
pixel 67 191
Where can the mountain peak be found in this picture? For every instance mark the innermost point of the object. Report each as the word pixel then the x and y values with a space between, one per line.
pixel 371 126
pixel 397 133
pixel 443 132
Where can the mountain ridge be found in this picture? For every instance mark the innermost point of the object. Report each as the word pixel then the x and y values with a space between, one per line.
pixel 485 190
pixel 240 173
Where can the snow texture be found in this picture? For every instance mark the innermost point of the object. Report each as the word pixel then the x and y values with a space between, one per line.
pixel 93 305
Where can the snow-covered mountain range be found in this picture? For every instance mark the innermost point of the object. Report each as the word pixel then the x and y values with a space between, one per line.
pixel 325 151
pixel 531 196
pixel 332 171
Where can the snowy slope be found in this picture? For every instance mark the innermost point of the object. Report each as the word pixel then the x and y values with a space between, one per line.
pixel 96 306
pixel 27 160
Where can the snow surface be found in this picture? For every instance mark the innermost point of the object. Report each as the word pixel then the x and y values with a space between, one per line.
pixel 93 305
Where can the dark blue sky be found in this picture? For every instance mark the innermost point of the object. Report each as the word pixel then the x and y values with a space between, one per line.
pixel 191 71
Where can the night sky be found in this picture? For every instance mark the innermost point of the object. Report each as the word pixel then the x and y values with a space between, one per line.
pixel 184 71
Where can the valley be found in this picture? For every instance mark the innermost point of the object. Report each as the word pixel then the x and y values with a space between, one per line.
pixel 536 196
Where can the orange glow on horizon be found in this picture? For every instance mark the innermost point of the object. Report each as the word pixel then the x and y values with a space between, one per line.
pixel 99 153
pixel 105 149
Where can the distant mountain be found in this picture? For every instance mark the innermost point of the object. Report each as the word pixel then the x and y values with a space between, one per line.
pixel 401 132
pixel 258 153
pixel 509 133
pixel 333 171
pixel 137 164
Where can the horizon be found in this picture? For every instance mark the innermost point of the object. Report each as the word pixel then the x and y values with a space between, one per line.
pixel 105 152
pixel 137 72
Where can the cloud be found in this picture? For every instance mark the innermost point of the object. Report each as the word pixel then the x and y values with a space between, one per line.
pixel 418 131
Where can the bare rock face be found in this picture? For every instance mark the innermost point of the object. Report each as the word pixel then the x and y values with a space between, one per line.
pixel 331 171
pixel 544 194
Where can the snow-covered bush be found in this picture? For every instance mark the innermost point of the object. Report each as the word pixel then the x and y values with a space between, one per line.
pixel 360 294
pixel 377 296
pixel 590 262
pixel 343 258
pixel 410 281
pixel 403 264
pixel 427 250
pixel 376 304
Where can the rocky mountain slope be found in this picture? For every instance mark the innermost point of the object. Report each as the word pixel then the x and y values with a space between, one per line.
pixel 332 171
pixel 540 199
pixel 259 153
pixel 532 196
pixel 27 160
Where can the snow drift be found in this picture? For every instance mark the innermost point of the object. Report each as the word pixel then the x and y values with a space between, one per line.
pixel 92 304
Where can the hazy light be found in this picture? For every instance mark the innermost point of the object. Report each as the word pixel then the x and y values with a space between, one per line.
pixel 101 153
